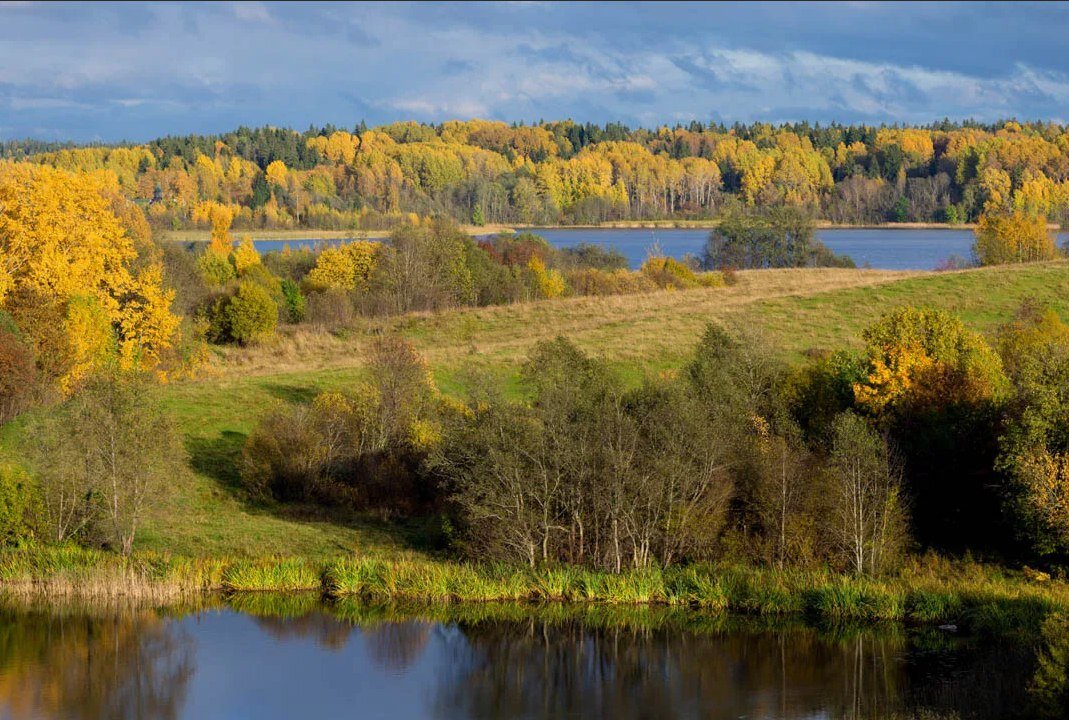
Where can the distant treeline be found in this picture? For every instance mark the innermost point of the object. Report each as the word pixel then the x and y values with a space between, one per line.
pixel 565 172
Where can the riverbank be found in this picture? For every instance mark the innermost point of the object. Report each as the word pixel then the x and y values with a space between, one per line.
pixel 314 234
pixel 930 591
pixel 477 230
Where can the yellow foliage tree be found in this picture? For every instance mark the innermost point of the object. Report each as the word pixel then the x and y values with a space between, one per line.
pixel 550 283
pixel 220 217
pixel 245 255
pixel 925 359
pixel 276 173
pixel 343 268
pixel 92 341
pixel 145 322
pixel 1013 238
pixel 61 242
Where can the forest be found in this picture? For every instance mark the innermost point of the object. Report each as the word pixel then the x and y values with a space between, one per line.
pixel 483 172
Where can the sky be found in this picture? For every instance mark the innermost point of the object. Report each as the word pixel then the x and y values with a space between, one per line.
pixel 136 71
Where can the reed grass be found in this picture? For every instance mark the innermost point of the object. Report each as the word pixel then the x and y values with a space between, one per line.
pixel 928 591
pixel 284 574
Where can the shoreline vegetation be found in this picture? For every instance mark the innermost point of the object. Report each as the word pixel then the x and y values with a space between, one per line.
pixel 477 230
pixel 973 597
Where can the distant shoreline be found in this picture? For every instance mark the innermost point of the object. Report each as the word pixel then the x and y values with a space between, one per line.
pixel 313 234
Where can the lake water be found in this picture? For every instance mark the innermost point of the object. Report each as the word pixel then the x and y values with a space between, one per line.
pixel 882 248
pixel 354 661
pixel 887 249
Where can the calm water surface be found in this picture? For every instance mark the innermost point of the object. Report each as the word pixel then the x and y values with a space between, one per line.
pixel 887 249
pixel 221 663
pixel 884 249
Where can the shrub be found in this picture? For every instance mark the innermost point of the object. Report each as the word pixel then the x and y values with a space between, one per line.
pixel 343 268
pixel 589 255
pixel 245 255
pixel 293 302
pixel 17 495
pixel 290 264
pixel 251 315
pixel 668 273
pixel 215 268
pixel 550 283
pixel 18 375
pixel 331 309
pixel 591 281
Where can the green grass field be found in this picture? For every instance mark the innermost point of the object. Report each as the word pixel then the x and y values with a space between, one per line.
pixel 796 309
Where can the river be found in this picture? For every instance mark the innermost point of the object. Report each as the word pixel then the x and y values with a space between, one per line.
pixel 296 658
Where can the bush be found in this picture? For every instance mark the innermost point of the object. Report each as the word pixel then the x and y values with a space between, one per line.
pixel 589 255
pixel 17 495
pixel 215 268
pixel 251 314
pixel 591 281
pixel 346 267
pixel 331 309
pixel 18 375
pixel 669 273
pixel 290 264
pixel 293 302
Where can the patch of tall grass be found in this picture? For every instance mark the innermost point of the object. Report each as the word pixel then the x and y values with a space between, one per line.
pixel 927 591
pixel 283 574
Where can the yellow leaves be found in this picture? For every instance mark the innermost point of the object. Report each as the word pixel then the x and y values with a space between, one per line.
pixel 61 240
pixel 757 175
pixel 245 255
pixel 338 147
pixel 343 268
pixel 277 173
pixel 145 322
pixel 926 359
pixel 1013 238
pixel 1045 476
pixel 892 377
pixel 219 217
pixel 424 434
pixel 91 339
pixel 332 402
pixel 57 233
pixel 996 186
pixel 915 144
pixel 550 283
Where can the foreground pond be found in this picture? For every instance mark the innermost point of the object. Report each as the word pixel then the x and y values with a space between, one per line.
pixel 354 661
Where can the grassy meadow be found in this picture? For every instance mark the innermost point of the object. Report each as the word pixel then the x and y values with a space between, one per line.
pixel 221 535
pixel 797 309
pixel 208 536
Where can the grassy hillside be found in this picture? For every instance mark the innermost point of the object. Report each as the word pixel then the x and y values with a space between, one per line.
pixel 796 309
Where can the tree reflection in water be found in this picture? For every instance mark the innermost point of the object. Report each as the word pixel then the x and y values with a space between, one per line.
pixel 126 664
pixel 535 670
pixel 468 662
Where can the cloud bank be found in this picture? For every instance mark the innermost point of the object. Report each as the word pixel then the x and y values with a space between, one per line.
pixel 137 71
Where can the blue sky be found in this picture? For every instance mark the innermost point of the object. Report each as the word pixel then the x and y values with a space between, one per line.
pixel 99 71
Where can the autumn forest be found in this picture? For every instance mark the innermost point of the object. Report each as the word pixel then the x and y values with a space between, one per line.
pixel 479 172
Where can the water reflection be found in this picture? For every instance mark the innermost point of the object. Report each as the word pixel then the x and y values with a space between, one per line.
pixel 129 664
pixel 540 671
pixel 290 656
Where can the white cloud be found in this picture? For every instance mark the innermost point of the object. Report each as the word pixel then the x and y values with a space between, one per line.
pixel 252 11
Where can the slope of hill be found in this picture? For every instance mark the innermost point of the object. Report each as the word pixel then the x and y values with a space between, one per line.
pixel 796 309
